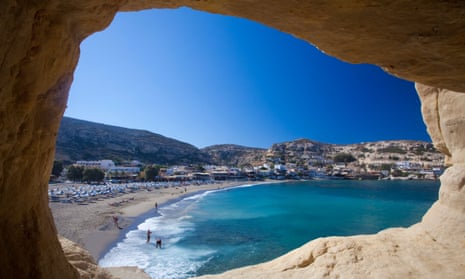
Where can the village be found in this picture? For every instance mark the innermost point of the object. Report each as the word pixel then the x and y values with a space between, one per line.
pixel 299 160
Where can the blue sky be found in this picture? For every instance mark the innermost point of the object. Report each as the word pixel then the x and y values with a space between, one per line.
pixel 207 79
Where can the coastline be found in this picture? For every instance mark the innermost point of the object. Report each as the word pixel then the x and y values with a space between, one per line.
pixel 91 224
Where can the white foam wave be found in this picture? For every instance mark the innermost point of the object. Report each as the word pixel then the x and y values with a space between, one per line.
pixel 170 262
pixel 198 196
pixel 171 226
pixel 186 217
pixel 204 194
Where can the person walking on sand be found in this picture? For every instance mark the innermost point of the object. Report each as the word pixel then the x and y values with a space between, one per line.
pixel 115 220
pixel 158 243
pixel 156 205
pixel 148 235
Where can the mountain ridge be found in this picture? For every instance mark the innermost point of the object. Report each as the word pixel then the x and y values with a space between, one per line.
pixel 86 140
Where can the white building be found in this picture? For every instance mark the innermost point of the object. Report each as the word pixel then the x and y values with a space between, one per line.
pixel 131 170
pixel 280 168
pixel 101 164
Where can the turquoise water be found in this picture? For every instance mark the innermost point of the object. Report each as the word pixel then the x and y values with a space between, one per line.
pixel 220 230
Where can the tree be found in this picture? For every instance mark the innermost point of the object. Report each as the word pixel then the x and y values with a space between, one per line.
pixel 151 172
pixel 199 168
pixel 93 174
pixel 387 167
pixel 344 158
pixel 57 168
pixel 75 173
pixel 398 173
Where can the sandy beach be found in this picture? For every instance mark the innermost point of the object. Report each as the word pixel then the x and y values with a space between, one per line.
pixel 91 223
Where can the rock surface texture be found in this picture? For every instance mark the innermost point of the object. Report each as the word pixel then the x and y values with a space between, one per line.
pixel 422 41
pixel 88 269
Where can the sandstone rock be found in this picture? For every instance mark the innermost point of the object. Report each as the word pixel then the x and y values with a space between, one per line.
pixel 83 261
pixel 393 253
pixel 421 41
pixel 131 272
pixel 87 268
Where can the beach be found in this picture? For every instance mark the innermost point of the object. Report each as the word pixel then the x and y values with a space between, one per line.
pixel 91 223
pixel 270 221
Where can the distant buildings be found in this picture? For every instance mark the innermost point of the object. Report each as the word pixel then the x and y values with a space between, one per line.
pixel 305 160
pixel 113 172
pixel 101 164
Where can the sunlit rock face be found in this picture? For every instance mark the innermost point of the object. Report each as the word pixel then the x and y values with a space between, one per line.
pixel 88 269
pixel 422 42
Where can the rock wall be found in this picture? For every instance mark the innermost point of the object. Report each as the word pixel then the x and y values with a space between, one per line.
pixel 443 111
pixel 88 269
pixel 421 41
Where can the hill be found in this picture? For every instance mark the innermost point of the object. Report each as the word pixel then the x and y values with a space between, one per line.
pixel 304 152
pixel 235 155
pixel 300 151
pixel 84 140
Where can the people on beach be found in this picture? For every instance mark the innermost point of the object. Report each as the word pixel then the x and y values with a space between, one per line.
pixel 115 220
pixel 71 215
pixel 148 235
pixel 158 243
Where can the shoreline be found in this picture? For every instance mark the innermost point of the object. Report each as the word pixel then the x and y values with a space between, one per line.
pixel 91 224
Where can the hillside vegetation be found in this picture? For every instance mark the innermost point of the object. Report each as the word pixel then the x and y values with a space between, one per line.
pixel 84 140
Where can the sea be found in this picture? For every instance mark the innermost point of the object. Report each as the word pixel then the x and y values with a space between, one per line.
pixel 214 231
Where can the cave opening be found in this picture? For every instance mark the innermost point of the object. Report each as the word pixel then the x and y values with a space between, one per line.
pixel 40 54
pixel 217 76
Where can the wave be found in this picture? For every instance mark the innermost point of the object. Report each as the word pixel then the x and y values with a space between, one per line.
pixel 206 193
pixel 169 262
pixel 172 261
pixel 172 226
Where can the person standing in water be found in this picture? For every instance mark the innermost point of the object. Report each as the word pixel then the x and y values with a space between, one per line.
pixel 148 235
pixel 158 243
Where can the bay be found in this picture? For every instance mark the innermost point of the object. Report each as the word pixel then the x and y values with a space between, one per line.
pixel 219 230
